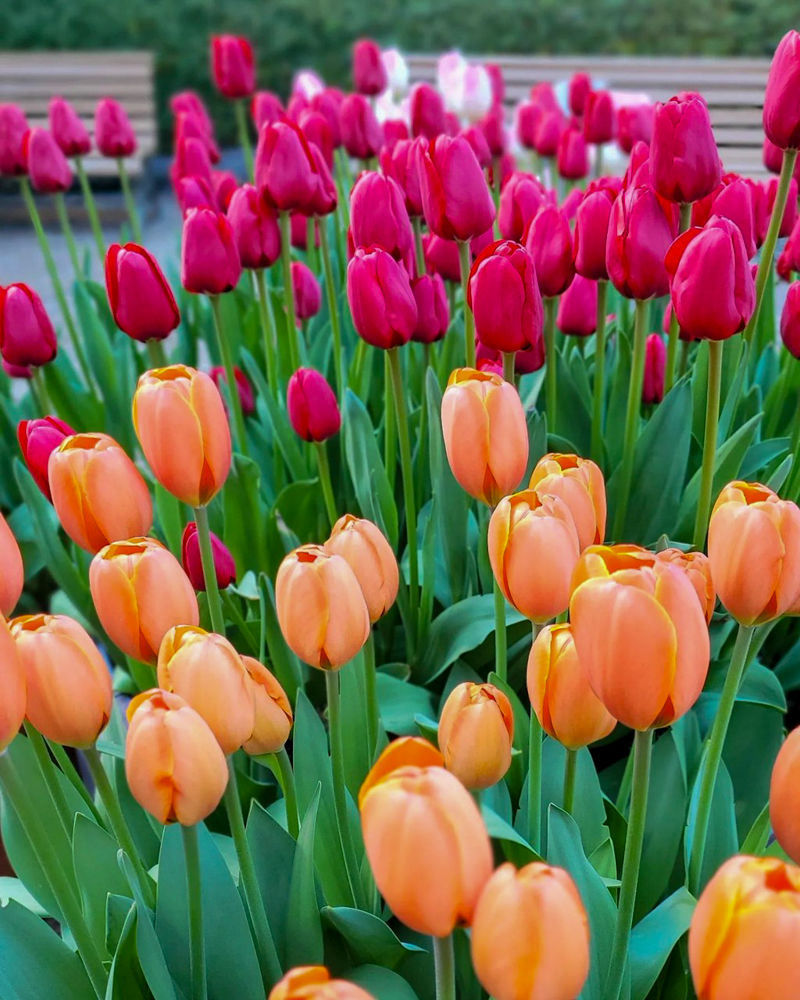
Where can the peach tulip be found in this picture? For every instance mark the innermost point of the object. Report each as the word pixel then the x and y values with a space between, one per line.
pixel 406 751
pixel 580 484
pixel 313 982
pixel 12 577
pixel 697 567
pixel 365 549
pixel 476 732
pixel 12 687
pixel 784 796
pixel 273 718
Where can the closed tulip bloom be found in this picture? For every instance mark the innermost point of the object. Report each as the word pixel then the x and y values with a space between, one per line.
pixel 141 300
pixel 244 389
pixel 16 371
pixel 548 132
pixel 578 91
pixel 401 163
pixel 640 634
pixel 328 102
pixel 37 440
pixel 380 297
pixel 140 592
pixel 67 128
pixel 194 192
pixel 369 72
pixel 533 549
pixel 733 200
pixel 321 609
pixel 684 159
pixel 455 197
pixel 580 484
pixel 378 215
pixel 655 362
pixel 591 233
pixel 639 236
pixel 191 159
pixel 422 828
pixel 286 174
pixel 427 112
pixel 549 242
pixel 255 229
pixel 13 688
pixel 175 768
pixel 273 713
pixel 544 95
pixel 314 982
pixel 790 320
pixel 530 935
pixel 68 681
pixel 233 66
pixel 790 213
pixel 527 121
pixel 485 434
pixel 27 336
pixel 784 796
pixel 223 184
pixel 210 261
pixel 364 547
pixel 362 135
pixel 191 125
pixel 97 491
pixel 12 578
pixel 189 102
pixel 315 128
pixel 224 563
pixel 744 930
pixel 634 124
pixel 113 132
pixel 711 284
pixel 433 310
pixel 180 404
pixel 13 128
pixel 46 165
pixel 599 117
pixel 754 550
pixel 504 296
pixel 781 112
pixel 266 108
pixel 520 200
pixel 405 751
pixel 697 567
pixel 577 308
pixel 476 732
pixel 493 128
pixel 307 293
pixel 312 406
pixel 572 157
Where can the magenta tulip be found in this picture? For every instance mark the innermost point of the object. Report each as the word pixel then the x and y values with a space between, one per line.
pixel 381 300
pixel 684 159
pixel 433 311
pixel 67 128
pixel 113 132
pixel 210 262
pixel 577 308
pixel 549 242
pixel 27 336
pixel 46 165
pixel 139 295
pixel 312 406
pixel 781 105
pixel 255 229
pixel 369 72
pixel 504 297
pixel 224 563
pixel 456 200
pixel 233 66
pixel 639 235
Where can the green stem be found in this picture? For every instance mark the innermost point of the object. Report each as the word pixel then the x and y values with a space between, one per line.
pixel 240 110
pixel 570 774
pixel 551 369
pixel 598 401
pixel 465 261
pixel 333 309
pixel 38 391
pixel 288 289
pixel 508 366
pixel 234 401
pixel 389 432
pixel 130 203
pixel 632 414
pixel 781 391
pixel 66 229
pixel 416 225
pixel 674 330
pixel 709 442
pixel 598 160
pixel 91 211
pixel 209 571
pixel 445 966
pixel 535 773
pixel 311 243
pixel 625 785
pixel 50 776
pixel 289 791
pixel 371 692
pixel 500 638
pixel 683 363
pixel 194 896
pixel 156 355
pixel 642 750
pixel 713 753
pixel 268 335
pixel 408 482
pixel 325 481
pixel 68 768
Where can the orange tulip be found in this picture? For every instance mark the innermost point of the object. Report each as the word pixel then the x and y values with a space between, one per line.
pixel 182 427
pixel 98 493
pixel 313 982
pixel 364 548
pixel 207 672
pixel 321 608
pixel 427 846
pixel 533 549
pixel 140 592
pixel 69 682
pixel 405 751
pixel 12 576
pixel 784 796
pixel 744 932
pixel 485 434
pixel 530 935
pixel 173 762
pixel 12 687
pixel 754 548
pixel 640 634
pixel 580 484
pixel 476 731
pixel 560 693
pixel 273 719
pixel 697 567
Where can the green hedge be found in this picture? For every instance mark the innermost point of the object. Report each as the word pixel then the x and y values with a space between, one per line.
pixel 318 33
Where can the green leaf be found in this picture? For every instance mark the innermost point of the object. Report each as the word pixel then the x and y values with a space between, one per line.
pixel 285 437
pixel 573 410
pixel 369 940
pixel 618 397
pixel 367 472
pixel 515 847
pixel 722 841
pixel 357 753
pixel 273 857
pixel 382 984
pixel 589 812
pixel 515 778
pixel 170 519
pixel 151 956
pixel 245 514
pixel 126 981
pixel 97 873
pixel 12 888
pixel 304 944
pixel 756 841
pixel 399 702
pixel 655 936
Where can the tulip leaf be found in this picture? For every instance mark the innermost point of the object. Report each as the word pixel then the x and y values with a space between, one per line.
pixel 515 778
pixel 285 437
pixel 722 840
pixel 273 852
pixel 754 738
pixel 357 752
pixel 762 454
pixel 515 847
pixel 126 981
pixel 97 873
pixel 367 472
pixel 171 519
pixel 757 839
pixel 304 944
pixel 399 702
pixel 618 399
pixel 781 473
pixel 733 394
pixel 244 515
pixel 70 398
pixel 588 812
pixel 151 954
pixel 382 984
pixel 655 936
pixel 573 409
pixel 12 888
pixel 369 940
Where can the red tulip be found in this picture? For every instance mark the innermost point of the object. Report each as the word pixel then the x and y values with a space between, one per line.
pixel 255 229
pixel 655 363
pixel 781 107
pixel 572 158
pixel 549 242
pixel 577 308
pixel 265 109
pixel 223 184
pixel 441 256
pixel 13 126
pixel 520 200
pixel 209 259
pixel 362 136
pixel 402 164
pixel 141 300
pixel 476 137
pixel 307 293
pixel 580 87
pixel 328 103
pixel 46 164
pixel 571 204
pixel 528 115
pixel 380 297
pixel 504 297
pixel 298 104
pixel 790 212
pixel 286 173
pixel 67 128
pixel 548 132
pixel 233 66
pixel 427 112
pixel 113 132
pixel 493 126
pixel 224 563
pixel 243 388
pixel 591 232
pixel 315 128
pixel 16 371
pixel 311 403
pixel 189 125
pixel 188 102
pixel 191 160
pixel 684 159
pixel 495 74
pixel 27 336
pixel 433 311
pixel 394 130
pixel 378 215
pixel 634 124
pixel 457 203
pixel 733 200
pixel 195 192
pixel 369 73
pixel 324 199
pixel 599 117
pixel 639 235
pixel 37 440
pixel 790 320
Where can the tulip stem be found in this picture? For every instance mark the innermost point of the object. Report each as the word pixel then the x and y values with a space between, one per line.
pixel 642 751
pixel 371 691
pixel 194 894
pixel 234 400
pixel 51 779
pixel 91 210
pixel 130 203
pixel 709 442
pixel 535 772
pixel 265 944
pixel 500 638
pixel 508 366
pixel 674 330
pixel 288 288
pixel 333 309
pixel 632 415
pixel 683 364
pixel 598 159
pixel 389 433
pixel 286 778
pixel 599 399
pixel 311 244
pixel 70 773
pixel 267 329
pixel 155 353
pixel 408 484
pixel 38 391
pixel 416 225
pixel 709 765
pixel 551 372
pixel 209 570
pixel 66 229
pixel 240 110
pixel 464 259
pixel 570 774
pixel 325 481
pixel 445 965
pixel 56 877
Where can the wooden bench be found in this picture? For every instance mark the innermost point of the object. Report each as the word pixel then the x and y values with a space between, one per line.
pixel 733 88
pixel 31 78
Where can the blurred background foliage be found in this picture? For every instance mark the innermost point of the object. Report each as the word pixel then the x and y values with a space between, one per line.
pixel 289 34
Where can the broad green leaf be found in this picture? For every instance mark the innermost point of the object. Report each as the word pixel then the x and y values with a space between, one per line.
pixel 126 981
pixel 304 942
pixel 245 514
pixel 382 984
pixel 655 936
pixel 367 472
pixel 97 873
pixel 399 702
pixel 151 955
pixel 757 839
pixel 573 410
pixel 722 841
pixel 588 812
pixel 369 940
pixel 273 857
pixel 515 847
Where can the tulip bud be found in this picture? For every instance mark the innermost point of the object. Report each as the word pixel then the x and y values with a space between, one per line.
pixel 732 200
pixel 531 928
pixel 548 132
pixel 742 939
pixel 549 242
pixel 639 236
pixel 98 493
pixel 37 439
pixel 485 434
pixel 192 124
pixel 13 687
pixel 67 129
pixel 783 796
pixel 520 200
pixel 191 160
pixel 405 751
pixel 233 66
pixel 790 211
pixel 286 175
pixel 113 132
pixel 378 215
pixel 433 310
pixel 364 548
pixel 27 336
pixel 369 72
pixel 504 297
pixel 577 308
pixel 194 192
pixel 422 828
pixel 180 404
pixel 255 228
pixel 138 293
pixel 68 681
pixel 12 578
pixel 634 124
pixel 655 363
pixel 219 377
pixel 362 135
pixel 591 233
pixel 189 102
pixel 401 163
pixel 224 563
pixel 307 293
pixel 543 94
pixel 313 982
pixel 599 117
pixel 380 297
pixel 45 163
pixel 580 87
pixel 492 126
pixel 223 184
pixel 781 115
pixel 476 732
pixel 527 122
pixel 455 198
pixel 317 131
pixel 210 262
pixel 790 320
pixel 13 128
pixel 311 403
pixel 175 768
pixel 579 483
pixel 640 634
pixel 697 568
pixel 684 159
pixel 572 156
pixel 266 108
pixel 427 112
pixel 273 713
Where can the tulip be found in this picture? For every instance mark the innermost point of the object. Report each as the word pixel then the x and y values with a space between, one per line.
pixel 244 389
pixel 27 336
pixel 402 165
pixel 297 106
pixel 783 796
pixel 381 301
pixel 712 259
pixel 639 236
pixel 640 634
pixel 13 128
pixel 732 200
pixel 504 297
pixel 427 112
pixel 273 713
pixel 572 157
pixel 313 982
pixel 98 493
pixel 422 828
pixel 192 125
pixel 790 320
pixel 790 214
pixel 591 233
pixel 67 129
pixel 530 935
pixel 210 262
pixel 655 363
pixel 181 405
pixel 233 66
pixel 492 126
pixel 139 295
pixel 324 199
pixel 548 132
pixel 543 94
pixel 378 215
pixel 520 200
pixel 533 548
pixel 433 311
pixel 456 200
pixel 697 568
pixel 394 130
pixel 361 133
pixel 191 160
pixel 317 132
pixel 485 434
pixel 364 548
pixel 577 308
pixel 189 102
pixel 441 256
pixel 369 72
pixel 406 751
pixel 579 483
pixel 684 159
pixel 321 609
pixel 175 768
pixel 549 242
pixel 45 163
pixel 476 731
pixel 599 117
pixel 781 115
pixel 327 102
pixel 312 406
pixel 742 939
pixel 634 124
pixel 37 439
pixel 68 681
pixel 13 576
pixel 255 229
pixel 140 592
pixel 224 563
pixel 266 108
pixel 194 192
pixel 580 87
pixel 16 371
pixel 527 122
pixel 307 293
pixel 14 687
pixel 113 132
pixel 286 174
pixel 223 184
